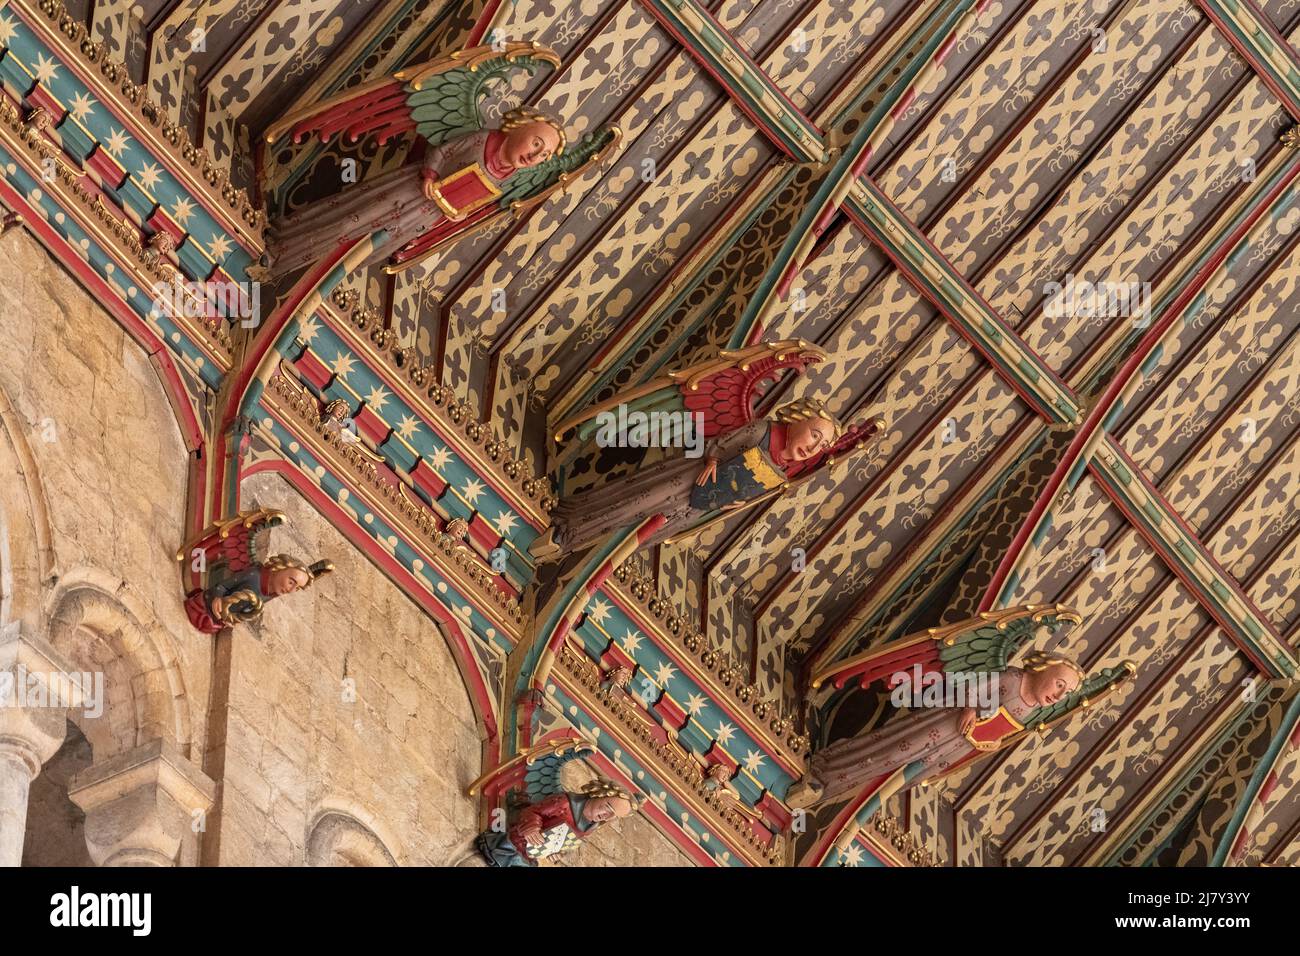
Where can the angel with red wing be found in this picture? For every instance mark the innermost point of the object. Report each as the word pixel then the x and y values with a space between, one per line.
pixel 462 175
pixel 746 459
pixel 241 576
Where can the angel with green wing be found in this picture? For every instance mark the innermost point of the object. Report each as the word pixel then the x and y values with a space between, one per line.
pixel 553 820
pixel 461 176
pixel 933 741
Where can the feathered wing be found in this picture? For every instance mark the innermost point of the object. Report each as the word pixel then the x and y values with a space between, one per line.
pixel 985 643
pixel 439 99
pixel 444 95
pixel 542 773
pixel 235 545
pixel 521 192
pixel 724 389
pixel 989 646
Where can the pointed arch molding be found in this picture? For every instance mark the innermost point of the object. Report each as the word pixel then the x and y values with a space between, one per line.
pixel 101 179
pixel 346 822
pixel 26 541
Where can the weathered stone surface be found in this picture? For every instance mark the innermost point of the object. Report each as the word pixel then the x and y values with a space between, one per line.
pixel 306 775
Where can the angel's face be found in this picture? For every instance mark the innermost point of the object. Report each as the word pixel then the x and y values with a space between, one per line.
pixel 1052 683
pixel 807 437
pixel 530 144
pixel 286 581
pixel 600 809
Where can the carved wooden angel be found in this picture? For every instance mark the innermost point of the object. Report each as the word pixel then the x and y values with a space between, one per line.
pixel 553 820
pixel 241 575
pixel 746 459
pixel 462 176
pixel 933 741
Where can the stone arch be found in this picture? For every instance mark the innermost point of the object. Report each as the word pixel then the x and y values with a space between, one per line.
pixel 26 549
pixel 100 627
pixel 338 836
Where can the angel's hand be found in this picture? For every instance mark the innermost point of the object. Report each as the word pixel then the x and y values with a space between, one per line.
pixel 710 472
pixel 532 835
pixel 966 722
pixel 431 189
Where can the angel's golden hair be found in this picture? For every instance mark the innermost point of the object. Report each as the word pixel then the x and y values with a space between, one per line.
pixel 802 409
pixel 600 787
pixel 281 562
pixel 523 115
pixel 1038 661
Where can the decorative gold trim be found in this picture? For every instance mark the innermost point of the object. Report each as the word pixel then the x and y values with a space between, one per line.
pixel 585 683
pixel 195 164
pixel 116 235
pixel 393 502
pixel 901 839
pixel 990 745
pixel 438 402
pixel 450 211
pixel 719 673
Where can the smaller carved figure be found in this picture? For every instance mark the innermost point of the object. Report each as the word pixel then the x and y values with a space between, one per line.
pixel 241 577
pixel 555 824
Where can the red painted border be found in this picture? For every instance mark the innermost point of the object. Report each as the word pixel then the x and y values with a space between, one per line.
pixel 119 308
pixel 479 694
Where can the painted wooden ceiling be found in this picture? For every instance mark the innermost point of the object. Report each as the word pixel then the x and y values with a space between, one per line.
pixel 1103 139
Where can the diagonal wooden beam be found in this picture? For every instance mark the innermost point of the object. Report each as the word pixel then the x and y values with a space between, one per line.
pixel 925 267
pixel 746 83
pixel 1148 511
pixel 848 187
pixel 1274 192
pixel 1262 46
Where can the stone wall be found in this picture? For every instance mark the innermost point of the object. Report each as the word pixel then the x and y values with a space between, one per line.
pixel 348 737
pixel 345 696
pixel 110 467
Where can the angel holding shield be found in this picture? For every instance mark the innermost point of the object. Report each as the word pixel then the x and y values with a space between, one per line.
pixel 928 743
pixel 747 458
pixel 469 174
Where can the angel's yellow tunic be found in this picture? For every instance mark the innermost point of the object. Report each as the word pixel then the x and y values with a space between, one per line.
pixel 668 487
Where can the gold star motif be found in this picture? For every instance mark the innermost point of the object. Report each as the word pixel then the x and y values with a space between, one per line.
pixel 473 490
pixel 342 366
pixel 408 426
pixel 117 141
pixel 47 68
pixel 182 211
pixel 440 458
pixel 82 107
